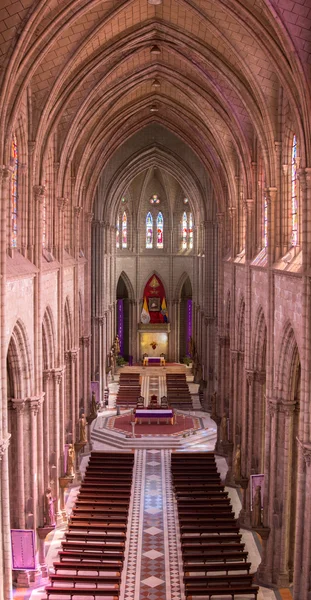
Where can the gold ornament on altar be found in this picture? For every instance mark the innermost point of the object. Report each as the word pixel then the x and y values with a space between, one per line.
pixel 154 284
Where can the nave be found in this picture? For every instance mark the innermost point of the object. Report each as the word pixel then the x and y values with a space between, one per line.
pixel 153 559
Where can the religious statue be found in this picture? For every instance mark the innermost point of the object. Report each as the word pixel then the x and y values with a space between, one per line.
pixel 49 511
pixel 237 463
pixel 117 345
pixel 71 461
pixel 256 512
pixel 82 429
pixel 224 428
pixel 93 413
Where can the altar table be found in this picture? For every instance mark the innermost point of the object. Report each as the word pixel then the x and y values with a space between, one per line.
pixel 154 360
pixel 160 413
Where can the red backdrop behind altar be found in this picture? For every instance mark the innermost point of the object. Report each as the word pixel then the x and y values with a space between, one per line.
pixel 154 289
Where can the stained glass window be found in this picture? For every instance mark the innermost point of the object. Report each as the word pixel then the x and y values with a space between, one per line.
pixel 190 231
pixel 118 233
pixel 265 222
pixel 155 199
pixel 14 190
pixel 149 230
pixel 124 230
pixel 184 231
pixel 160 230
pixel 294 200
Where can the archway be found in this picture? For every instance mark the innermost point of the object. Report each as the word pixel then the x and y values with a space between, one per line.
pixel 123 317
pixel 185 319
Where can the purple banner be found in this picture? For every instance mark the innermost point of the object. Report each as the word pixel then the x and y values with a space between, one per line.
pixel 23 549
pixel 120 326
pixel 189 325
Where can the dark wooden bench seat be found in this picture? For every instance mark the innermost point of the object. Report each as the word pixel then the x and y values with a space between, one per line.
pixel 77 556
pixel 72 536
pixel 223 509
pixel 213 567
pixel 214 556
pixel 211 496
pixel 119 510
pixel 89 592
pixel 210 528
pixel 120 524
pixel 98 579
pixel 208 594
pixel 99 512
pixel 87 497
pixel 202 539
pixel 85 546
pixel 209 547
pixel 96 567
pixel 97 525
pixel 215 580
pixel 217 518
pixel 101 491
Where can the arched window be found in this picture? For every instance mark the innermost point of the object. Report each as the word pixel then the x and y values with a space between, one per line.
pixel 294 199
pixel 190 231
pixel 118 233
pixel 184 231
pixel 160 230
pixel 124 230
pixel 149 230
pixel 14 191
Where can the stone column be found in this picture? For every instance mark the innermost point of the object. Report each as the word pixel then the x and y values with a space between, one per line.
pixel 19 406
pixel 85 341
pixel 58 448
pixel 33 405
pixel 101 358
pixel 42 456
pixel 47 377
pixel 304 593
pixel 5 533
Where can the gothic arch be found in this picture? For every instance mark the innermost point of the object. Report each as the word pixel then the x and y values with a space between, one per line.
pixel 148 276
pixel 128 284
pixel 286 371
pixel 19 362
pixel 48 339
pixel 260 342
pixel 182 280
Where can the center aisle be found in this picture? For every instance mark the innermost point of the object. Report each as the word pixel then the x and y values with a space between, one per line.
pixel 152 568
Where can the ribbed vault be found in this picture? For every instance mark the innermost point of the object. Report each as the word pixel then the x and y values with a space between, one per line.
pixel 89 74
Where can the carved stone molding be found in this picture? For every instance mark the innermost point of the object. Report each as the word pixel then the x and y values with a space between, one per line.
pixel 85 341
pixel 4 444
pixel 62 203
pixel 250 376
pixel 307 454
pixel 18 405
pixel 273 407
pixel 288 408
pixel 234 355
pixel 260 376
pixel 78 210
pixel 223 340
pixel 39 192
pixel 5 171
pixel 34 405
pixel 90 216
pixel 47 375
pixel 57 375
pixel 100 320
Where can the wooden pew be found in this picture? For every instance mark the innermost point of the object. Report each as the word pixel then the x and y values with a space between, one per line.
pixel 220 538
pixel 213 567
pixel 215 555
pixel 81 556
pixel 85 546
pixel 73 591
pixel 229 591
pixel 95 567
pixel 72 536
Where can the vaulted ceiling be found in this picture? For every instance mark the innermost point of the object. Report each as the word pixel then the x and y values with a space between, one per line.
pixel 209 72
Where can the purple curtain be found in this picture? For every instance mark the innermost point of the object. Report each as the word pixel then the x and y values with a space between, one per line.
pixel 189 325
pixel 120 326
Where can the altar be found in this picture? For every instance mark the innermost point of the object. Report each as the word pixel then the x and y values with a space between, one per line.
pixel 153 341
pixel 158 413
pixel 154 360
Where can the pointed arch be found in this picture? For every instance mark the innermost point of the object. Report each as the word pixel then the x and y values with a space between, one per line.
pixel 260 341
pixel 183 278
pixel 19 362
pixel 287 366
pixel 68 326
pixel 48 339
pixel 128 284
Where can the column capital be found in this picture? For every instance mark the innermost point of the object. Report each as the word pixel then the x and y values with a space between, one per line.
pixel 250 376
pixel 249 205
pixel 85 340
pixel 223 340
pixel 62 203
pixel 260 376
pixel 4 444
pixel 74 355
pixel 220 217
pixel 306 451
pixel 5 172
pixel 90 216
pixel 34 404
pixel 18 405
pixel 57 375
pixel 39 192
pixel 100 320
pixel 78 210
pixel 270 193
pixel 232 211
pixel 288 408
pixel 47 373
pixel 234 355
pixel 273 407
